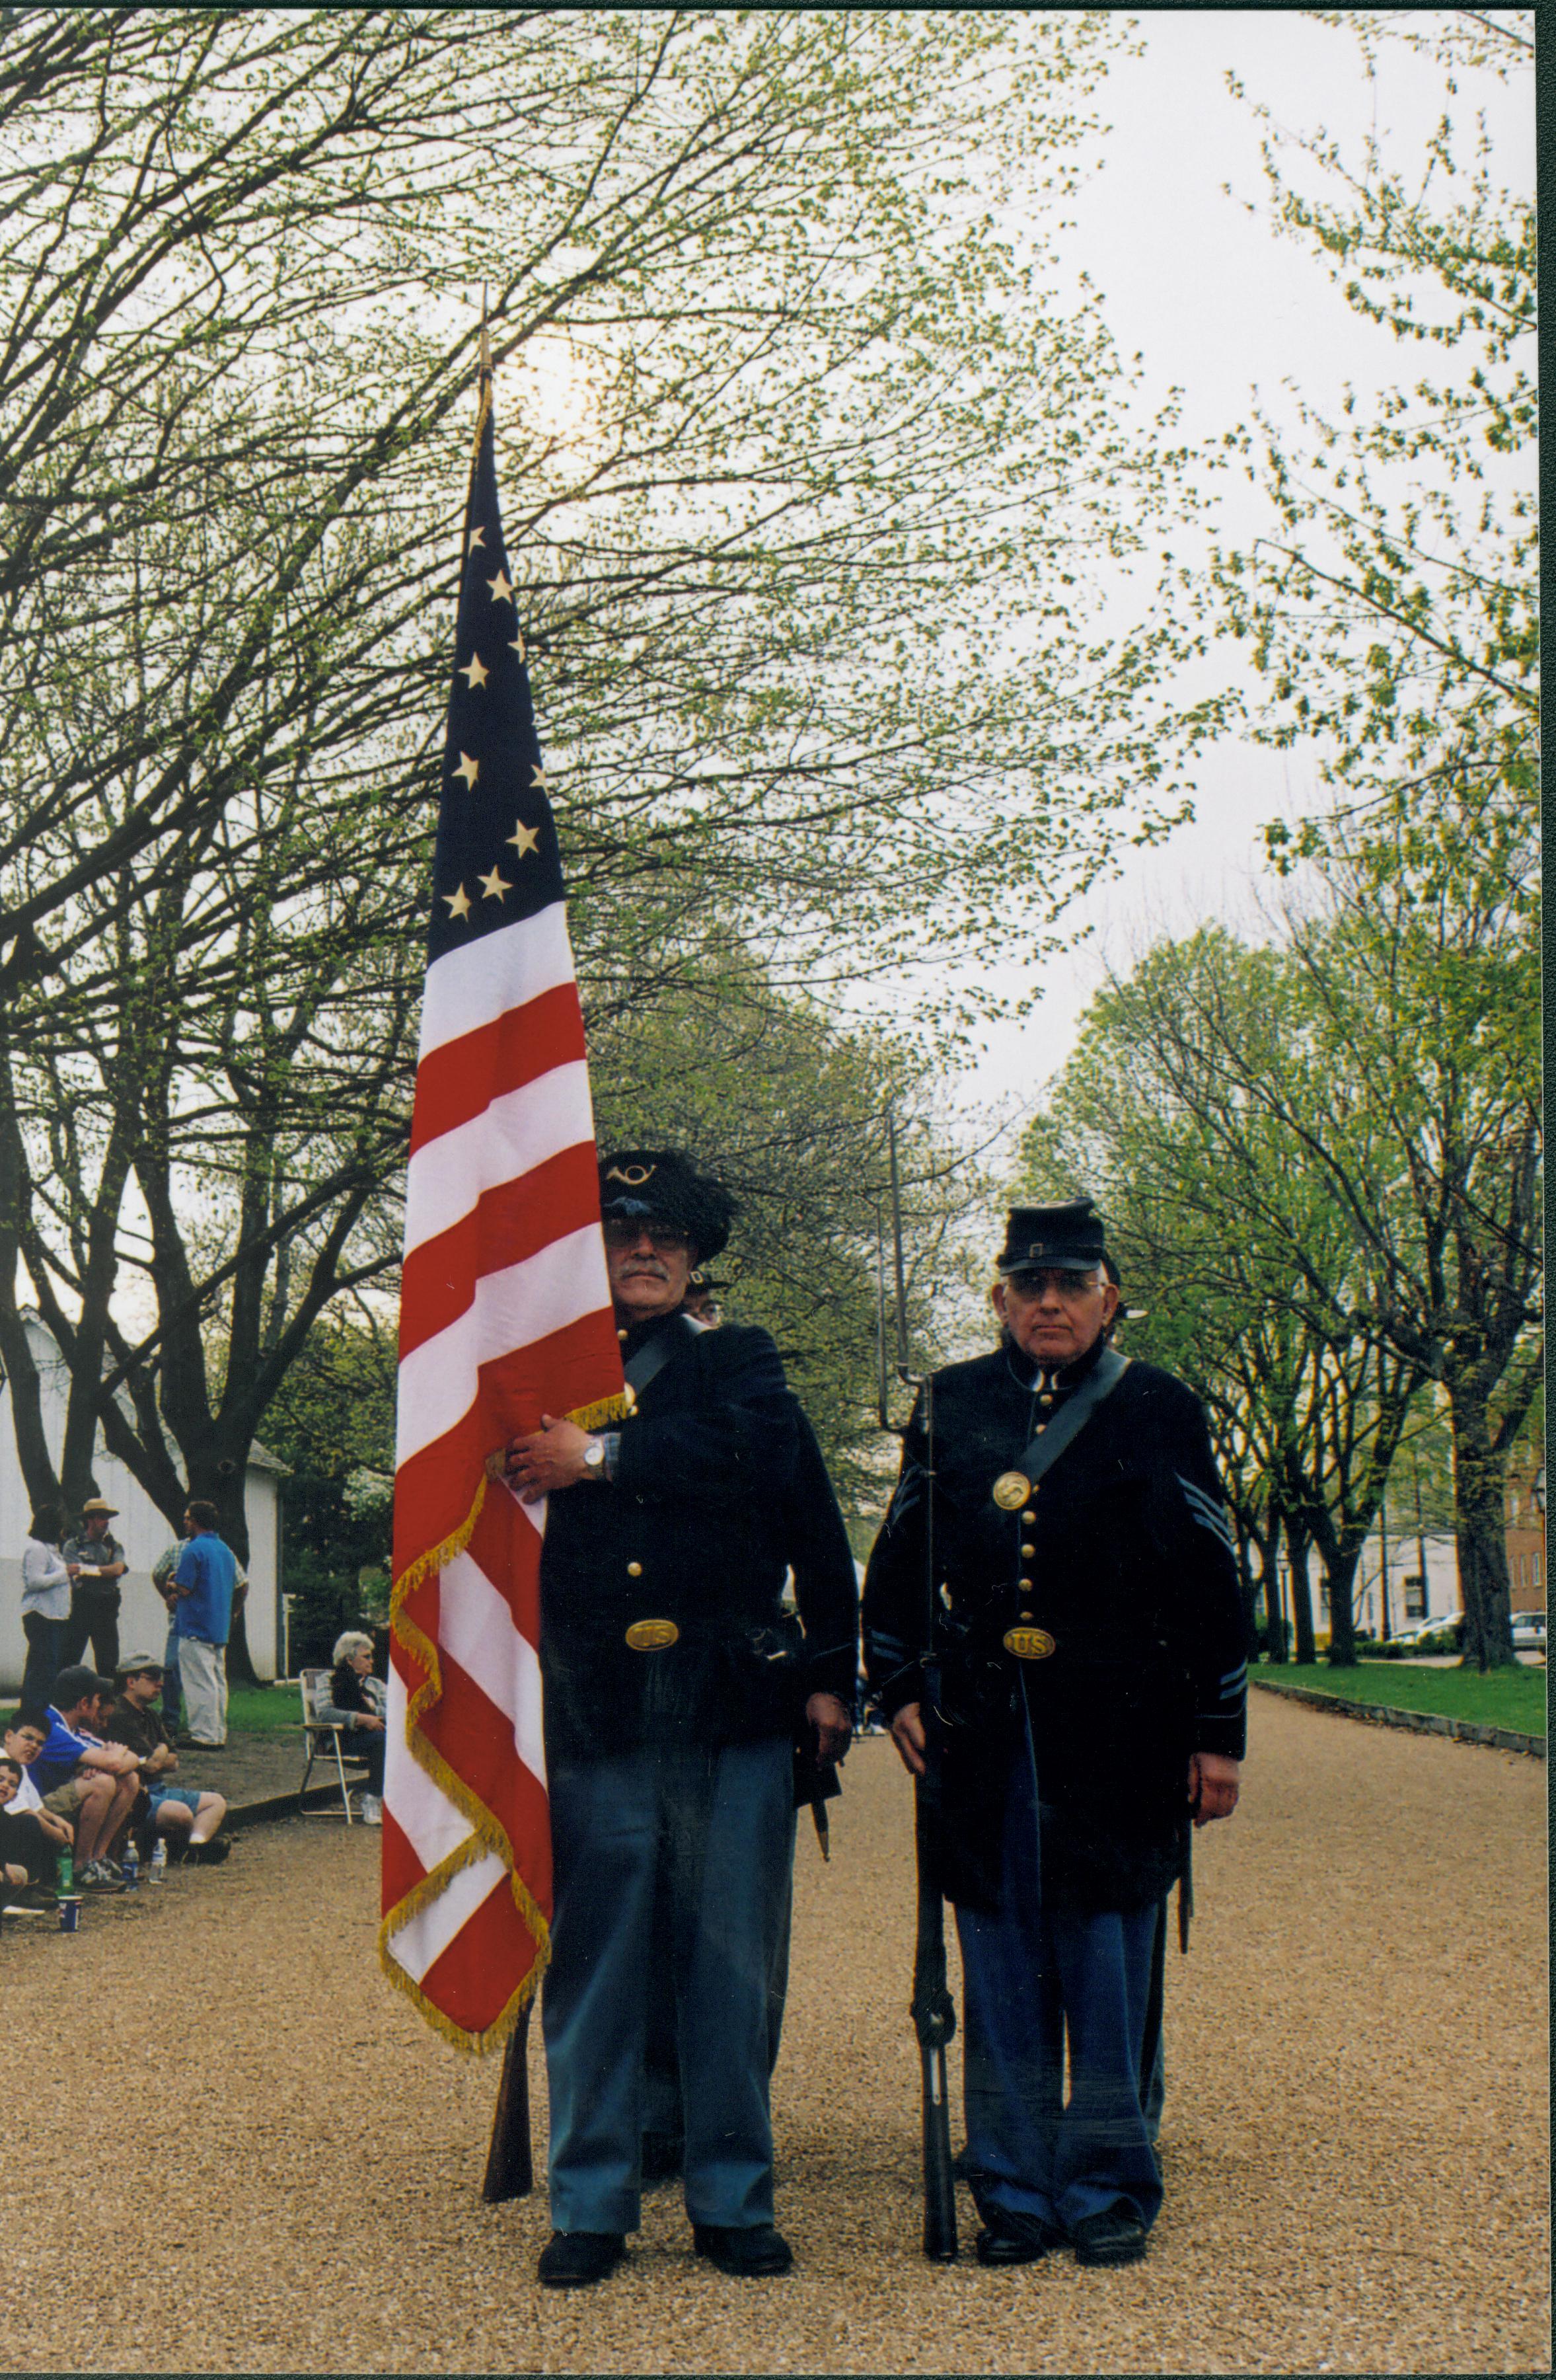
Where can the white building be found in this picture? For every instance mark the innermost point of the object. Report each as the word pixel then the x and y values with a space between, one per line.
pixel 1412 1596
pixel 140 1529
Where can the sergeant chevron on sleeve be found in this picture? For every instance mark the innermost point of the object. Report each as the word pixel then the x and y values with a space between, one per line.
pixel 1085 1689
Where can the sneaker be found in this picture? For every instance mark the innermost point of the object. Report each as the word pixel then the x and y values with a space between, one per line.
pixel 209 1855
pixel 370 1810
pixel 99 1875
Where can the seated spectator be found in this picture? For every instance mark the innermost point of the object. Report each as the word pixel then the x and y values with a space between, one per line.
pixel 45 1605
pixel 188 1817
pixel 94 1784
pixel 356 1703
pixel 25 1852
pixel 41 1834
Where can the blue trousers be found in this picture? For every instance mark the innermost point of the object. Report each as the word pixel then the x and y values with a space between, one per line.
pixel 1038 1979
pixel 713 1831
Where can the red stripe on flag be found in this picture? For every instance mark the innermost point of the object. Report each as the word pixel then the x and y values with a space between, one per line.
pixel 474 1979
pixel 514 1221
pixel 402 1869
pixel 435 1489
pixel 455 1082
pixel 467 1728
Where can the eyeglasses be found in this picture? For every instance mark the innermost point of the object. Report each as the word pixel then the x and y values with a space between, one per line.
pixel 1068 1283
pixel 662 1238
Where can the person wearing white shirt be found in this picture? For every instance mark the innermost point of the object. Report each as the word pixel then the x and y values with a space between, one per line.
pixel 45 1606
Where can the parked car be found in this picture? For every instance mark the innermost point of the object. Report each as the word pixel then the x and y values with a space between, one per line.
pixel 1438 1634
pixel 1528 1632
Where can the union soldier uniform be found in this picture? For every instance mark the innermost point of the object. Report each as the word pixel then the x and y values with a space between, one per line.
pixel 1087 1641
pixel 674 1682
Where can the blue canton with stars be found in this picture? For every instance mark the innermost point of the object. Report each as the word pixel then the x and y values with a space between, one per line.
pixel 497 859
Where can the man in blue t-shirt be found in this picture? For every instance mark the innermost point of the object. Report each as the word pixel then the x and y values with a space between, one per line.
pixel 202 1621
pixel 92 1784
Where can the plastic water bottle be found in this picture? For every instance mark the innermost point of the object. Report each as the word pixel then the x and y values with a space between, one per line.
pixel 158 1861
pixel 131 1864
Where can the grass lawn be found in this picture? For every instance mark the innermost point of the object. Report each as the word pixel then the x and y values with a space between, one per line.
pixel 1513 1698
pixel 264 1711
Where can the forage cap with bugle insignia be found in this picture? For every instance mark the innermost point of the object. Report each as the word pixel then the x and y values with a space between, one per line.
pixel 658 1186
pixel 1070 1234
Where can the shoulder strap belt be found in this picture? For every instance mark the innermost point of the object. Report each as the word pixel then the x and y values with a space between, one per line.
pixel 662 1349
pixel 1050 1442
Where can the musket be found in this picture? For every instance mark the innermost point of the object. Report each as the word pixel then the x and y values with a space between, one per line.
pixel 509 2161
pixel 933 2015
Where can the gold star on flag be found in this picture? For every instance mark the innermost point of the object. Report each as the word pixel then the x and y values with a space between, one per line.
pixel 458 903
pixel 518 645
pixel 525 839
pixel 469 770
pixel 476 671
pixel 478 537
pixel 502 591
pixel 493 886
pixel 539 777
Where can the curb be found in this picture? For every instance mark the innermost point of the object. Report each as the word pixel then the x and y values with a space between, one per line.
pixel 281 1806
pixel 1500 1739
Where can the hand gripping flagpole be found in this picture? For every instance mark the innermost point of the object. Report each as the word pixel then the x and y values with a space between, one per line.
pixel 932 2010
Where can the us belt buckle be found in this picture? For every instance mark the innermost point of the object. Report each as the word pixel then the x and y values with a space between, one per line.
pixel 1028 1644
pixel 1010 1490
pixel 652 1636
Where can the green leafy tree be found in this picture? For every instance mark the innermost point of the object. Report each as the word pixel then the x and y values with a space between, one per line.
pixel 1392 608
pixel 814 483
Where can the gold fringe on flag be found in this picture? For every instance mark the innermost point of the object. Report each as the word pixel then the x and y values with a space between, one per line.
pixel 488 1832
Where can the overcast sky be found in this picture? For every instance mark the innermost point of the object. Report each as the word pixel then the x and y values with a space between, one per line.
pixel 1217 306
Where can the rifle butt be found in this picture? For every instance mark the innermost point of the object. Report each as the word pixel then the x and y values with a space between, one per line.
pixel 939 2182
pixel 509 2160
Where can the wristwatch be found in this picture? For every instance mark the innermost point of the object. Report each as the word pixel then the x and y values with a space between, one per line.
pixel 594 1459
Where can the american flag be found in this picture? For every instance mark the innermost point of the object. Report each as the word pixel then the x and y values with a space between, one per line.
pixel 505 1314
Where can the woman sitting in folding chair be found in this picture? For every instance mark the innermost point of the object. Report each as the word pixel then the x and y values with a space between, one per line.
pixel 356 1703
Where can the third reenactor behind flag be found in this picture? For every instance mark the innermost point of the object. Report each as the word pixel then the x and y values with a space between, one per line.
pixel 673 1686
pixel 1086 1687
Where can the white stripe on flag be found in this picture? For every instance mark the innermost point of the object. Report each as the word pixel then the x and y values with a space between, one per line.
pixel 516 1132
pixel 468 987
pixel 423 1940
pixel 476 1629
pixel 439 1380
pixel 420 1808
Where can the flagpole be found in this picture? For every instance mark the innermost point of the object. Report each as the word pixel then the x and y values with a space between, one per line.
pixel 510 2172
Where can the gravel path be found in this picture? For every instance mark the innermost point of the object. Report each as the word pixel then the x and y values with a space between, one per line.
pixel 281 2171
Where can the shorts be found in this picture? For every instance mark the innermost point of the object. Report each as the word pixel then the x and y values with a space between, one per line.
pixel 67 1799
pixel 187 1794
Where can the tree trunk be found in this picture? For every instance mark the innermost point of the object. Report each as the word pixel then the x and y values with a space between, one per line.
pixel 1339 1578
pixel 1480 1528
pixel 1298 1542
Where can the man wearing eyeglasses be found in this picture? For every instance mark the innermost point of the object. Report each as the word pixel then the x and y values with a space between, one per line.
pixel 1081 1690
pixel 674 1688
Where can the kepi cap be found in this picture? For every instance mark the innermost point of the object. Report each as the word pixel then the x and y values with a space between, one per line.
pixel 1070 1235
pixel 660 1186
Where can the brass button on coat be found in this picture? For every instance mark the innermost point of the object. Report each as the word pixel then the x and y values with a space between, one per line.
pixel 1026 1552
pixel 1025 1586
pixel 635 1569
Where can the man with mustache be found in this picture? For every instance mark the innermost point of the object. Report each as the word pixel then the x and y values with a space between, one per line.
pixel 673 1686
pixel 1080 1694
